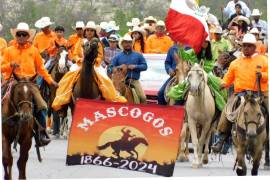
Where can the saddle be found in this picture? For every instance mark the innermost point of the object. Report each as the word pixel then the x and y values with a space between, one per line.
pixel 233 107
pixel 130 84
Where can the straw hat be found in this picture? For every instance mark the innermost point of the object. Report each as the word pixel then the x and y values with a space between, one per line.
pixel 113 25
pixel 134 22
pixel 218 30
pixel 92 25
pixel 249 39
pixel 256 12
pixel 150 18
pixel 23 27
pixel 243 18
pixel 126 37
pixel 254 31
pixel 138 29
pixel 160 23
pixel 113 38
pixel 43 22
pixel 103 25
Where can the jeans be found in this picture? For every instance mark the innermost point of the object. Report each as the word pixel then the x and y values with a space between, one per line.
pixel 41 117
pixel 161 99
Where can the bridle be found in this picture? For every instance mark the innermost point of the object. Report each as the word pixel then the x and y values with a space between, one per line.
pixel 200 83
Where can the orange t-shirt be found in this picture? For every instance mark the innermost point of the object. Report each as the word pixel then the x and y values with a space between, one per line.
pixel 45 42
pixel 137 46
pixel 29 60
pixel 242 73
pixel 3 46
pixel 72 41
pixel 158 45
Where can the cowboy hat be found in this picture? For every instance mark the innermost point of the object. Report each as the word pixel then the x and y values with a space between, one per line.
pixel 150 18
pixel 256 12
pixel 134 22
pixel 79 24
pixel 113 25
pixel 160 23
pixel 92 25
pixel 243 18
pixel 126 37
pixel 43 22
pixel 23 27
pixel 249 39
pixel 103 25
pixel 113 38
pixel 218 30
pixel 138 29
pixel 254 31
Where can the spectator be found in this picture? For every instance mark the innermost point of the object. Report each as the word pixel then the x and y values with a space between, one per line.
pixel 229 10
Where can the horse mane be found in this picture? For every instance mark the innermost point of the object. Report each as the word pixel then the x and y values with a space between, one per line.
pixel 87 71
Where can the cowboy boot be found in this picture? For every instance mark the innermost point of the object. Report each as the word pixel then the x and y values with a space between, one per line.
pixel 217 147
pixel 44 138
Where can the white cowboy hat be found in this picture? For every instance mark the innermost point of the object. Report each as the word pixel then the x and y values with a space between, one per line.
pixel 146 26
pixel 243 18
pixel 249 39
pixel 218 30
pixel 113 25
pixel 138 29
pixel 150 18
pixel 254 31
pixel 43 22
pixel 113 37
pixel 256 12
pixel 79 24
pixel 103 25
pixel 160 23
pixel 23 27
pixel 134 22
pixel 92 25
pixel 126 37
pixel 1 27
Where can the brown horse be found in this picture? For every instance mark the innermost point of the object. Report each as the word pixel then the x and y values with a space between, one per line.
pixel 86 86
pixel 223 62
pixel 17 125
pixel 120 84
pixel 250 136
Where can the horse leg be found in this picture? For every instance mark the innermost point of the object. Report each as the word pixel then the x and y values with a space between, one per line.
pixel 24 149
pixel 206 149
pixel 193 131
pixel 202 140
pixel 7 158
pixel 256 160
pixel 266 157
pixel 182 157
pixel 241 169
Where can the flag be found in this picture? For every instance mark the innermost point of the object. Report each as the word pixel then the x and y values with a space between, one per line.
pixel 184 25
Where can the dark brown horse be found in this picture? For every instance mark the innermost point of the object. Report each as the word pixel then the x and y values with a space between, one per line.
pixel 120 84
pixel 86 86
pixel 17 125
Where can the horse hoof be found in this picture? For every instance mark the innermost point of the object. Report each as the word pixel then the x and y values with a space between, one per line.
pixel 183 159
pixel 196 165
pixel 205 161
pixel 240 172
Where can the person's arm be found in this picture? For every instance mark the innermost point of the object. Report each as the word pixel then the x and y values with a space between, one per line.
pixel 78 52
pixel 5 65
pixel 169 61
pixel 100 55
pixel 228 79
pixel 41 69
pixel 142 66
pixel 265 71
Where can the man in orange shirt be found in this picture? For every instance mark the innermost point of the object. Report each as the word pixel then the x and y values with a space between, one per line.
pixel 74 38
pixel 242 74
pixel 159 43
pixel 44 40
pixel 3 43
pixel 26 61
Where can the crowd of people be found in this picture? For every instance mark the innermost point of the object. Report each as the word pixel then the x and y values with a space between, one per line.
pixel 30 52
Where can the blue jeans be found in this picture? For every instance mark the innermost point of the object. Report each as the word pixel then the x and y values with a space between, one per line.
pixel 41 117
pixel 161 99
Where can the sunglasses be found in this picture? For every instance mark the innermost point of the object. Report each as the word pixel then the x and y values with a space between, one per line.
pixel 78 29
pixel 22 34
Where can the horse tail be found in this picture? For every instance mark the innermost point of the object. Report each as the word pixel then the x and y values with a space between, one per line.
pixel 104 146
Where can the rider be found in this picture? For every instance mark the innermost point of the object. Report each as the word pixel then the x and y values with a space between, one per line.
pixel 135 64
pixel 242 73
pixel 24 60
pixel 126 135
pixel 3 43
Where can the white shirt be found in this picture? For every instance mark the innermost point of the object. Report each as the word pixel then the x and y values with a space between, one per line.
pixel 261 24
pixel 230 9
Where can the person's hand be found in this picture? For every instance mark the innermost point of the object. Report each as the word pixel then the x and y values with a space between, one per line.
pixel 131 66
pixel 14 65
pixel 171 73
pixel 222 87
pixel 55 84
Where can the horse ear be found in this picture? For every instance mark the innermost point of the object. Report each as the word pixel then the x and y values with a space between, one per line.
pixel 56 44
pixel 202 63
pixel 16 77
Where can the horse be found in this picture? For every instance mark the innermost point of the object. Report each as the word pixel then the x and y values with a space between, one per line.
pixel 59 68
pixel 120 84
pixel 129 146
pixel 249 135
pixel 223 62
pixel 17 125
pixel 200 110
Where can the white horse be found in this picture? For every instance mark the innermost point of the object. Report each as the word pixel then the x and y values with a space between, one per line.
pixel 200 109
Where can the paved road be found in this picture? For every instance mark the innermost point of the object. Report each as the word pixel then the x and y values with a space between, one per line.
pixel 53 166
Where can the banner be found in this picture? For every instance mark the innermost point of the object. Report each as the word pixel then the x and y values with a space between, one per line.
pixel 142 138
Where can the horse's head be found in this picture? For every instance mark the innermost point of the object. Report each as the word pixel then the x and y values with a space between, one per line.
pixel 196 79
pixel 62 58
pixel 91 50
pixel 22 97
pixel 182 68
pixel 252 115
pixel 119 77
pixel 223 62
